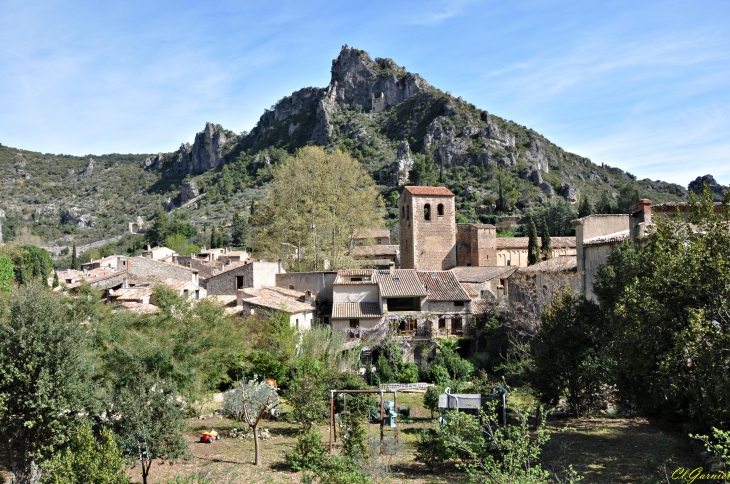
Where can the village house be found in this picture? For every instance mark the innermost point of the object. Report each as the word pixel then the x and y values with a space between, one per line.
pixel 490 283
pixel 109 262
pixel 419 304
pixel 319 283
pixel 240 275
pixel 377 256
pixel 372 237
pixel 300 307
pixel 159 253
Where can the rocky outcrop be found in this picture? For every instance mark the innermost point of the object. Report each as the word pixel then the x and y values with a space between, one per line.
pixel 74 215
pixel 188 191
pixel 535 155
pixel 89 170
pixel 404 162
pixel 205 154
pixel 356 79
pixel 569 192
pixel 207 150
pixel 153 162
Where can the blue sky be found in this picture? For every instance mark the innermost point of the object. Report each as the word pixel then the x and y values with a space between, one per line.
pixel 644 86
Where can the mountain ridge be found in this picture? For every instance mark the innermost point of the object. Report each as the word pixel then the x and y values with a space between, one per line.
pixel 392 120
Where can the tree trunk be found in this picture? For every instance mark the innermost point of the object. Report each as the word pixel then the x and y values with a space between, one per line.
pixel 257 457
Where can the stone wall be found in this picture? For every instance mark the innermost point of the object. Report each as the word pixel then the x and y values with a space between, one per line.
pixel 476 245
pixel 319 283
pixel 255 275
pixel 427 244
pixel 354 293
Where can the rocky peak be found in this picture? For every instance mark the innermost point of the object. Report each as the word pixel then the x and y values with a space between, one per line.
pixel 357 79
pixel 205 154
pixel 89 170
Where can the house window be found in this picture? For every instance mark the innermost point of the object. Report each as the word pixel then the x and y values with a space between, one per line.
pixel 427 211
pixel 484 294
pixel 441 209
pixel 354 323
pixel 197 294
pixel 124 262
pixel 508 261
pixel 239 282
pixel 297 322
pixel 408 325
pixel 356 279
pixel 459 304
pixel 291 286
pixel 456 326
pixel 403 212
pixel 442 323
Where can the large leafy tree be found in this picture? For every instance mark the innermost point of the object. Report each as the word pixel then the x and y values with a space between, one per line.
pixel 567 352
pixel 670 312
pixel 43 378
pixel 190 344
pixel 318 200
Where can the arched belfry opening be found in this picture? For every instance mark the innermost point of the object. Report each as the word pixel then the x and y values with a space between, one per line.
pixel 427 212
pixel 441 209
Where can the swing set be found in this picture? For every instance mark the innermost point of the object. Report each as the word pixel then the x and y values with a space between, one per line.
pixel 333 432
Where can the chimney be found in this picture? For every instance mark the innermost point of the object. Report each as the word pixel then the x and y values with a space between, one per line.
pixel 279 261
pixel 644 205
pixel 391 266
pixel 308 296
pixel 149 247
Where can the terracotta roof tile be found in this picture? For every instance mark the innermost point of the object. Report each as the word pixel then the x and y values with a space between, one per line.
pixel 608 238
pixel 469 288
pixel 481 274
pixel 567 263
pixel 356 310
pixel 374 250
pixel 372 234
pixel 401 283
pixel 431 191
pixel 480 307
pixel 442 286
pixel 277 298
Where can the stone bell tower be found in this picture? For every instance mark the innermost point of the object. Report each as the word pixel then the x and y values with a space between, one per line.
pixel 427 228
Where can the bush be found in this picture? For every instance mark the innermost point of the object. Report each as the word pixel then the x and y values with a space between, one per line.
pixel 409 373
pixel 431 399
pixel 440 375
pixel 308 453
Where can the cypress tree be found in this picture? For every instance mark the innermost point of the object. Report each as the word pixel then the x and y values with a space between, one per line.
pixel 55 279
pixel 586 208
pixel 547 246
pixel 74 259
pixel 213 238
pixel 533 251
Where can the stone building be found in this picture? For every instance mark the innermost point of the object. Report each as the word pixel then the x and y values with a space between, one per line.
pixel 489 283
pixel 372 237
pixel 512 251
pixel 240 275
pixel 597 236
pixel 432 240
pixel 427 228
pixel 300 307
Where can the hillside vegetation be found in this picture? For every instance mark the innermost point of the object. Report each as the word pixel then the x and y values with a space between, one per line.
pixel 422 135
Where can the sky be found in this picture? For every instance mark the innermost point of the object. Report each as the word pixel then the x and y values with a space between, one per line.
pixel 644 86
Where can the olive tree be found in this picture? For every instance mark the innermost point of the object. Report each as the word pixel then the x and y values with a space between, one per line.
pixel 248 403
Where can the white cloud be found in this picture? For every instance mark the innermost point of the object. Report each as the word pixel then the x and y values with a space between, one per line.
pixel 442 10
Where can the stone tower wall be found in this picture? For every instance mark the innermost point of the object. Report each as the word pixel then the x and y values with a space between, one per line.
pixel 427 244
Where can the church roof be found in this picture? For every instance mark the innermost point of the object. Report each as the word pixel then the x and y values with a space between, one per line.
pixel 429 191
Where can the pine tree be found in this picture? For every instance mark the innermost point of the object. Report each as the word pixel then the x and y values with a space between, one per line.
pixel 74 259
pixel 533 252
pixel 604 205
pixel 547 246
pixel 586 208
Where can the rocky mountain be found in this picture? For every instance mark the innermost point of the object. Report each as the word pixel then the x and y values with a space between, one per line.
pixel 393 121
